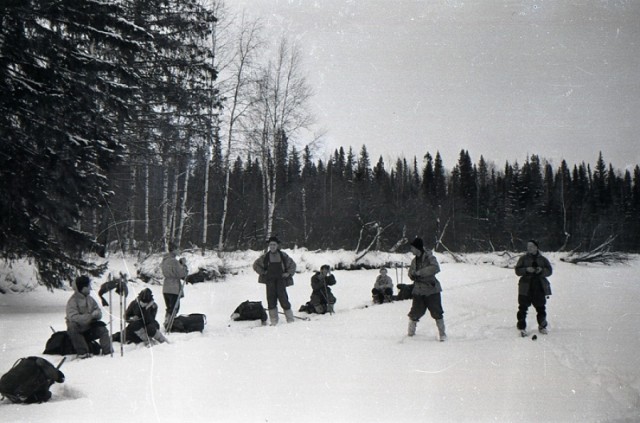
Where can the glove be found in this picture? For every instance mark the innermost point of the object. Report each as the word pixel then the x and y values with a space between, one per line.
pixel 96 314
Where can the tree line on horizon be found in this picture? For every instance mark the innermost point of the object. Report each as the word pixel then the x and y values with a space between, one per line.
pixel 346 202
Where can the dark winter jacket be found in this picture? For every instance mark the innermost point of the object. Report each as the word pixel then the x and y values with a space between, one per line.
pixel 422 272
pixel 81 311
pixel 261 265
pixel 139 312
pixel 526 279
pixel 173 271
pixel 321 292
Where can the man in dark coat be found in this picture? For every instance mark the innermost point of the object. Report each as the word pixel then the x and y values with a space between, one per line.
pixel 322 299
pixel 141 316
pixel 533 287
pixel 276 270
pixel 426 290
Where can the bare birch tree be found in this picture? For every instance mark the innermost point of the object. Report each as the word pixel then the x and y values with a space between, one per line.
pixel 281 110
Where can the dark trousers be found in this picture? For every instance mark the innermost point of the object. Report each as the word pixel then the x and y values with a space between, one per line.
pixel 539 302
pixel 151 328
pixel 380 294
pixel 79 339
pixel 277 292
pixel 171 301
pixel 422 303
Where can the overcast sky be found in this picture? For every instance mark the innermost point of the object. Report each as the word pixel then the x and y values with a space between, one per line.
pixel 500 78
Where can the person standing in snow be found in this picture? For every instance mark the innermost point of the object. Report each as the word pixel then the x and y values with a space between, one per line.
pixel 83 319
pixel 174 271
pixel 533 287
pixel 426 290
pixel 141 316
pixel 322 299
pixel 276 271
pixel 382 288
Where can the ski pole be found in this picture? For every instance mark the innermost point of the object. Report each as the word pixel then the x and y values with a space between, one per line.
pixel 111 324
pixel 123 335
pixel 61 363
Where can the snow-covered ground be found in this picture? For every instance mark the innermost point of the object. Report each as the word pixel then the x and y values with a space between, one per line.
pixel 356 365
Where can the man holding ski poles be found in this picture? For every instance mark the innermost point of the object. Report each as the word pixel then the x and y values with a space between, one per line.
pixel 174 271
pixel 322 300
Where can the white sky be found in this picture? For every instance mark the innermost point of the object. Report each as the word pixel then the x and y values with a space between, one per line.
pixel 501 78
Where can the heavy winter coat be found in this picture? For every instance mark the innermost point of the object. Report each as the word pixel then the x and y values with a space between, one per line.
pixel 145 313
pixel 422 272
pixel 533 260
pixel 173 271
pixel 262 264
pixel 80 311
pixel 383 282
pixel 321 291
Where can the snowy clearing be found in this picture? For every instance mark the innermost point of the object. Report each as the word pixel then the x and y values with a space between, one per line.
pixel 356 365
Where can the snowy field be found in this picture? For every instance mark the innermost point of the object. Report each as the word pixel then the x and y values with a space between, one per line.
pixel 356 365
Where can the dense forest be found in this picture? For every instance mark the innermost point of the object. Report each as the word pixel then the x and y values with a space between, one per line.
pixel 126 125
pixel 346 202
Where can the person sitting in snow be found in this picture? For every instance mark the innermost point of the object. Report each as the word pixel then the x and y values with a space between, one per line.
pixel 83 319
pixel 276 270
pixel 173 271
pixel 383 288
pixel 141 316
pixel 322 299
pixel 533 287
pixel 426 290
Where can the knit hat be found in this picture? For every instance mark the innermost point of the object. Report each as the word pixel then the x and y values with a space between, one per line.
pixel 534 242
pixel 82 282
pixel 145 296
pixel 418 244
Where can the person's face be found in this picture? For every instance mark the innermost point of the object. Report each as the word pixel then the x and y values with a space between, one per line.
pixel 85 291
pixel 531 248
pixel 415 251
pixel 383 272
pixel 326 271
pixel 273 246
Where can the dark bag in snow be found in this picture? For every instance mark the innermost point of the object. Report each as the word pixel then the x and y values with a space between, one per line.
pixel 29 379
pixel 60 344
pixel 250 310
pixel 405 292
pixel 307 308
pixel 193 322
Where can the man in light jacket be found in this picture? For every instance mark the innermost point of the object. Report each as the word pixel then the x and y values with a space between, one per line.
pixel 83 320
pixel 174 271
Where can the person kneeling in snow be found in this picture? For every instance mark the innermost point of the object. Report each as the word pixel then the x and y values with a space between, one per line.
pixel 141 316
pixel 383 288
pixel 83 320
pixel 322 299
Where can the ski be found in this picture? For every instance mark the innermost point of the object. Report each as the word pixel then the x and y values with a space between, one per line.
pixel 297 317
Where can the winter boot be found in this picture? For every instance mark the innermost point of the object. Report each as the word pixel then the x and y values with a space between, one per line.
pixel 289 315
pixel 142 334
pixel 160 338
pixel 273 316
pixel 441 332
pixel 412 328
pixel 543 330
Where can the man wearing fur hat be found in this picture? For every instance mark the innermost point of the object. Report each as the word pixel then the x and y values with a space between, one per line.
pixel 83 320
pixel 426 290
pixel 276 270
pixel 533 287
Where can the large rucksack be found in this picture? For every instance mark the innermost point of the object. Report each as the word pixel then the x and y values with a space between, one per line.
pixel 250 310
pixel 193 322
pixel 29 379
pixel 60 344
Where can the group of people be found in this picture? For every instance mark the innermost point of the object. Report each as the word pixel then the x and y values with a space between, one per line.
pixel 276 269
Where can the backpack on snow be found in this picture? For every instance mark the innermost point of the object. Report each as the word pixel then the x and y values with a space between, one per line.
pixel 29 379
pixel 405 292
pixel 193 322
pixel 60 344
pixel 250 310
